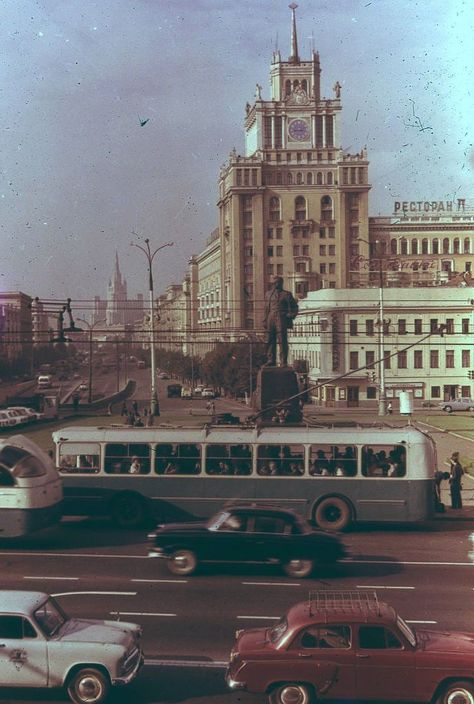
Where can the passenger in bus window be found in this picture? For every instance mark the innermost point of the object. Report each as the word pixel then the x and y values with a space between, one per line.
pixel 320 465
pixel 170 468
pixel 135 467
pixel 242 468
pixel 295 469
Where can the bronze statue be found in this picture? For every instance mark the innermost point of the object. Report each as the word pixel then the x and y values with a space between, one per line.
pixel 280 311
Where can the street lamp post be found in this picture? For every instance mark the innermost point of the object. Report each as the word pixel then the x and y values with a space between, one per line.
pixel 90 328
pixel 154 406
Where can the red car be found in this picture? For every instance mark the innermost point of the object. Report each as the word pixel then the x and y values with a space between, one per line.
pixel 350 646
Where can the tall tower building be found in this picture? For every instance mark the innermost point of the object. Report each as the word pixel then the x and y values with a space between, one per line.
pixel 115 313
pixel 296 204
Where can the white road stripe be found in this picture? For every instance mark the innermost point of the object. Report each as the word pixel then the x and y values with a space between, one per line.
pixel 162 581
pixel 273 584
pixel 406 562
pixel 263 618
pixel 420 621
pixel 137 613
pixel 187 663
pixel 379 586
pixel 97 592
pixel 70 579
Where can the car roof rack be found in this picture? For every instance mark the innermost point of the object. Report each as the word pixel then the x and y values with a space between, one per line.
pixel 323 600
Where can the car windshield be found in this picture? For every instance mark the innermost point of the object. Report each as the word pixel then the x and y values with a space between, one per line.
pixel 278 631
pixel 50 617
pixel 406 630
pixel 216 521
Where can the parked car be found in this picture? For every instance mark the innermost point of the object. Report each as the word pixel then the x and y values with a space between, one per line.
pixel 457 404
pixel 226 419
pixel 350 646
pixel 43 647
pixel 197 391
pixel 6 420
pixel 163 375
pixel 207 393
pixel 246 534
pixel 29 413
pixel 83 386
pixel 17 417
pixel 186 393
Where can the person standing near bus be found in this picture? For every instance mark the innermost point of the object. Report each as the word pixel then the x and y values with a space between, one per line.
pixel 455 480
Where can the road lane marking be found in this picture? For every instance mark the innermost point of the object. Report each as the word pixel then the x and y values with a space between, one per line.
pixel 406 562
pixel 186 663
pixel 379 586
pixel 162 581
pixel 137 613
pixel 273 584
pixel 419 621
pixel 70 579
pixel 266 618
pixel 96 592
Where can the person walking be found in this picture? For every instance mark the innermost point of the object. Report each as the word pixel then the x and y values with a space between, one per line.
pixel 124 411
pixel 135 408
pixel 389 408
pixel 455 480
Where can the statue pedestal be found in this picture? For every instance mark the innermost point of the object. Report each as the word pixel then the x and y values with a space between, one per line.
pixel 276 385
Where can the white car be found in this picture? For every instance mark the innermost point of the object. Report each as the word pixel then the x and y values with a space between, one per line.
pixel 16 417
pixel 42 647
pixel 29 413
pixel 457 404
pixel 207 393
pixel 6 420
pixel 83 386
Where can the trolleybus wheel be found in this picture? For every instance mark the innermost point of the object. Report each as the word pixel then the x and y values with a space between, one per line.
pixel 333 513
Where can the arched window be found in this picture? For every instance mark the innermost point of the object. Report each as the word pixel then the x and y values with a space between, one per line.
pixel 289 178
pixel 319 179
pixel 436 246
pixel 300 208
pixel 329 178
pixel 304 85
pixel 295 84
pixel 287 87
pixel 393 246
pixel 309 178
pixel 403 246
pixel 326 208
pixel 299 178
pixel 446 245
pixel 414 246
pixel 424 246
pixel 275 208
pixel 456 244
pixel 467 245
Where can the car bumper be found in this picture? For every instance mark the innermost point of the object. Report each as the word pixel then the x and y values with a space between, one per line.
pixel 126 679
pixel 233 684
pixel 157 552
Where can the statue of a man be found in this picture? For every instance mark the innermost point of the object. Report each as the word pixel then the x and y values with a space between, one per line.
pixel 258 91
pixel 337 89
pixel 280 311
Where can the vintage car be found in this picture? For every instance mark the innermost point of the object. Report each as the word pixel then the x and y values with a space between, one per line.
pixel 246 534
pixel 351 646
pixel 457 404
pixel 41 647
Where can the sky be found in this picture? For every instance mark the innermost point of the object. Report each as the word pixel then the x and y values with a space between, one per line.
pixel 117 115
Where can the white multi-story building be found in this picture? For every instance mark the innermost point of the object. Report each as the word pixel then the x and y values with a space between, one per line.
pixel 338 332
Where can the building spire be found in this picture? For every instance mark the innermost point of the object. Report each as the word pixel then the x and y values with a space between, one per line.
pixel 294 58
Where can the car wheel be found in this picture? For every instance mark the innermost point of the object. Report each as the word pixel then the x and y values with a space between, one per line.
pixel 448 409
pixel 88 686
pixel 291 693
pixel 299 568
pixel 457 693
pixel 182 562
pixel 128 511
pixel 333 513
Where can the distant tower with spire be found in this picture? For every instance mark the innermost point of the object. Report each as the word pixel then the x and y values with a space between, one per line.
pixel 295 204
pixel 117 304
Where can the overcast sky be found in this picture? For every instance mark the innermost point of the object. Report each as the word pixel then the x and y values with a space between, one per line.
pixel 79 172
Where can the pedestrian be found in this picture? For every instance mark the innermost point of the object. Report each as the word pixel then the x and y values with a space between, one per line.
pixel 145 411
pixel 135 408
pixel 75 402
pixel 389 408
pixel 438 478
pixel 124 411
pixel 455 480
pixel 149 420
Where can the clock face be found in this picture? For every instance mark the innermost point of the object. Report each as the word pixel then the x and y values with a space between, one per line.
pixel 299 130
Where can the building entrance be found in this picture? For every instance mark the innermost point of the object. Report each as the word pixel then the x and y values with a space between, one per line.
pixel 449 392
pixel 352 396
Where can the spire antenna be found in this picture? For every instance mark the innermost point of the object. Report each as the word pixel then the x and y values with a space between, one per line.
pixel 294 58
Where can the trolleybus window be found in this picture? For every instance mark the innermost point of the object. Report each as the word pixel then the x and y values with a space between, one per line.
pixel 383 461
pixel 280 460
pixel 119 458
pixel 79 458
pixel 177 458
pixel 333 461
pixel 228 459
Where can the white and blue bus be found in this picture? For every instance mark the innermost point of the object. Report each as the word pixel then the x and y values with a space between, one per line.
pixel 30 488
pixel 333 477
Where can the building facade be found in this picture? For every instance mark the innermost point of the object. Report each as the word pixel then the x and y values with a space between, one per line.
pixel 341 336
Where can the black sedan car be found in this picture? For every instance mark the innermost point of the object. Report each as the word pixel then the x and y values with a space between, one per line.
pixel 246 534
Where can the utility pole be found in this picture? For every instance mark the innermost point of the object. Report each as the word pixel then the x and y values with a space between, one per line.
pixel 90 329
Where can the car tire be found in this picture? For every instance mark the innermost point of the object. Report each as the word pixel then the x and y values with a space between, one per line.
pixel 299 568
pixel 292 693
pixel 333 513
pixel 461 692
pixel 182 562
pixel 128 511
pixel 448 409
pixel 88 686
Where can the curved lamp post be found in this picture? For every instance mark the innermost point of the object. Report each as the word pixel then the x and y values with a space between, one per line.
pixel 90 328
pixel 154 406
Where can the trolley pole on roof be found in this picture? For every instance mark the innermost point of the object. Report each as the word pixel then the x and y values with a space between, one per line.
pixel 154 405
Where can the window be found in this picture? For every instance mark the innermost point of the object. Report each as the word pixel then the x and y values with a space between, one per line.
pixel 229 459
pixel 332 250
pixel 279 269
pixel 324 637
pixel 434 359
pixel 270 233
pixel 424 246
pixel 465 326
pixel 393 246
pixel 305 250
pixel 403 246
pixel 446 245
pixel 371 392
pixel 418 359
pixel 353 360
pixel 369 328
pixel 449 326
pixel 433 325
pixel 119 458
pixel 449 359
pixel 248 234
pixel 16 628
pixel 269 269
pixel 418 326
pixel 309 178
pixel 300 208
pixel 177 458
pixel 79 458
pixel 369 359
pixel 467 245
pixel 436 246
pixel 280 460
pixel 322 268
pixel 436 392
pixel 332 461
pixel 402 326
pixel 279 251
pixel 353 327
pixel 269 251
pixel 466 358
pixel 377 638
pixel 331 232
pixel 456 245
pixel 275 208
pixel 279 233
pixel 296 250
pixel 332 268
pixel 402 359
pixel 322 250
pixel 326 208
pixel 322 233
pixel 384 461
pixel 248 251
